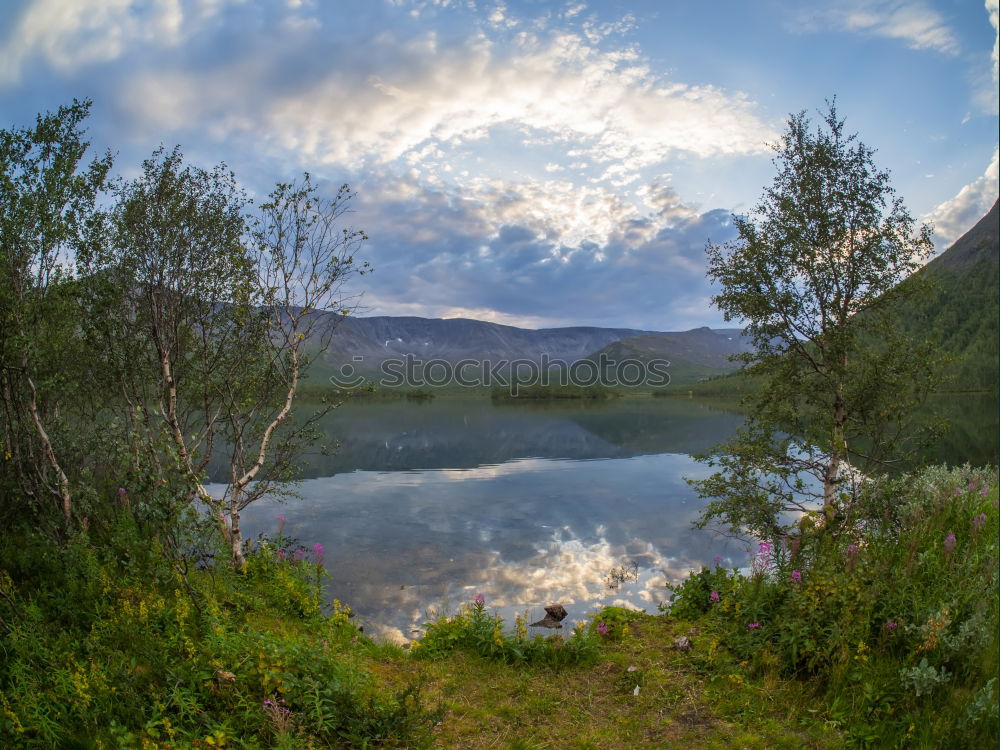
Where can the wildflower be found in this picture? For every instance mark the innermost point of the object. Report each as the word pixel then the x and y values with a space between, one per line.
pixel 949 543
pixel 299 554
pixel 281 555
pixel 318 553
pixel 970 486
pixel 891 625
pixel 717 559
pixel 978 522
pixel 602 628
pixel 796 576
pixel 753 626
pixel 121 492
pixel 479 600
pixel 714 597
pixel 762 558
pixel 281 525
pixel 958 491
pixel 984 491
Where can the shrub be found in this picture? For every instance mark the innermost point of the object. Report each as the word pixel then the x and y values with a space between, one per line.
pixel 892 617
pixel 475 630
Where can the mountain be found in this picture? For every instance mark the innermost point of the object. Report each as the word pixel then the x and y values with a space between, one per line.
pixel 698 353
pixel 979 244
pixel 693 355
pixel 453 339
pixel 959 313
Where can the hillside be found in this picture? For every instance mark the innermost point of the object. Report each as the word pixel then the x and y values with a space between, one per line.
pixel 693 355
pixel 383 337
pixel 959 314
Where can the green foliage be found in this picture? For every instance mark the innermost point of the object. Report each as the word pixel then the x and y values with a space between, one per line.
pixel 475 630
pixel 47 204
pixel 695 596
pixel 893 620
pixel 111 642
pixel 815 277
pixel 957 314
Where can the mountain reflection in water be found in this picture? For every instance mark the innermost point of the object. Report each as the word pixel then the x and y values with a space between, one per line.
pixel 425 505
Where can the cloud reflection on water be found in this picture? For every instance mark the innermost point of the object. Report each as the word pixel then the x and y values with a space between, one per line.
pixel 404 545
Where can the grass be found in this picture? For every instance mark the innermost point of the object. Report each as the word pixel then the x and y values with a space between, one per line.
pixel 492 704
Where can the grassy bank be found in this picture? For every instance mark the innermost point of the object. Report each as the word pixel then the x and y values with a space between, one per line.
pixel 881 633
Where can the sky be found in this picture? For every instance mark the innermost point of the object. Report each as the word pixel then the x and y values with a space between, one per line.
pixel 532 163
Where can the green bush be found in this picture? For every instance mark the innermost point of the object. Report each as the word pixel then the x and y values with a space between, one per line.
pixel 893 617
pixel 473 629
pixel 111 642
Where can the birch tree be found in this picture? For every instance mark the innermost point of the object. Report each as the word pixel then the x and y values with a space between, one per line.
pixel 814 277
pixel 47 200
pixel 303 258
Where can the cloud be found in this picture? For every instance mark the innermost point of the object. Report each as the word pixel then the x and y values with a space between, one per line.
pixel 956 216
pixel 538 253
pixel 418 88
pixel 506 165
pixel 986 95
pixel 993 9
pixel 915 23
pixel 85 32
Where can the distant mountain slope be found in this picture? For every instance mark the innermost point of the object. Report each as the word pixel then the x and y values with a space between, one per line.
pixel 693 355
pixel 379 338
pixel 978 244
pixel 960 313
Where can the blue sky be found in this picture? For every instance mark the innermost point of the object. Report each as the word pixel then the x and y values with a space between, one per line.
pixel 532 163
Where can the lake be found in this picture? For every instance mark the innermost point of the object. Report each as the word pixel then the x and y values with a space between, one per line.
pixel 426 504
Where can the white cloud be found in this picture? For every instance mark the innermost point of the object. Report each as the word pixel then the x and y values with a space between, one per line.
pixel 993 9
pixel 987 92
pixel 956 216
pixel 915 23
pixel 84 32
pixel 410 92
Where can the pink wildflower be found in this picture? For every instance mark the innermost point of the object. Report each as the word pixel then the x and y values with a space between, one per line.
pixel 949 543
pixel 318 553
pixel 714 597
pixel 479 599
pixel 796 576
pixel 602 628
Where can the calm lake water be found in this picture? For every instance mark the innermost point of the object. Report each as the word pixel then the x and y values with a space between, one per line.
pixel 426 504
